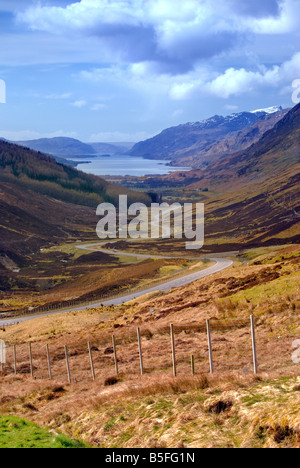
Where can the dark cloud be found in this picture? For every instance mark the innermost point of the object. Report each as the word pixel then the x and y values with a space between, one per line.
pixel 186 51
pixel 256 8
pixel 140 43
pixel 134 43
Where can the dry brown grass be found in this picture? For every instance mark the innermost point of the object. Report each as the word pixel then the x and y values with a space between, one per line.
pixel 85 408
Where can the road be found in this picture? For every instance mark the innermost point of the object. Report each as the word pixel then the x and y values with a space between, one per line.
pixel 220 264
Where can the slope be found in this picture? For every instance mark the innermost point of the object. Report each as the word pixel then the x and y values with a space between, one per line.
pixel 44 202
pixel 201 143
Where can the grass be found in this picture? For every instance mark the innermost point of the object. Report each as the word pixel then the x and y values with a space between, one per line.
pixel 19 433
pixel 178 413
pixel 269 291
pixel 157 411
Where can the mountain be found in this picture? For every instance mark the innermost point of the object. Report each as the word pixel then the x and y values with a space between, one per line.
pixel 268 110
pixel 199 144
pixel 111 148
pixel 252 197
pixel 43 202
pixel 59 146
pixel 70 147
pixel 275 154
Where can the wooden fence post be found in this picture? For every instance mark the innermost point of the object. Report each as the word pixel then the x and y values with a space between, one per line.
pixel 140 350
pixel 193 364
pixel 211 362
pixel 15 359
pixel 252 320
pixel 91 360
pixel 2 354
pixel 115 354
pixel 30 359
pixel 68 365
pixel 173 349
pixel 49 362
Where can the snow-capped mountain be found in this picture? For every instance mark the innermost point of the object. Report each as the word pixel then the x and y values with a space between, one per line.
pixel 197 143
pixel 268 110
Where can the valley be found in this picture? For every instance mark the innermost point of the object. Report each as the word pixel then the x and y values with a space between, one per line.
pixel 75 291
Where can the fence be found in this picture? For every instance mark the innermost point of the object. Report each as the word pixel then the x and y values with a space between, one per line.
pixel 217 346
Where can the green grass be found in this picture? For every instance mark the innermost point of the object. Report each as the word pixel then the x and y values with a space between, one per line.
pixel 19 433
pixel 272 290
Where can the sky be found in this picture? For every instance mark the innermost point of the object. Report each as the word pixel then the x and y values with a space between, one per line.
pixel 124 70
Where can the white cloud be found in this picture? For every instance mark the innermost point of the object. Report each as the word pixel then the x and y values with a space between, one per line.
pixel 168 36
pixel 287 21
pixel 114 137
pixel 79 104
pixel 235 82
pixel 242 81
pixel 98 107
pixel 231 107
pixel 58 96
pixel 174 34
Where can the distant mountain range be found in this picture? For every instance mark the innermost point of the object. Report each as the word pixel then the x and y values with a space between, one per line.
pixel 201 143
pixel 70 147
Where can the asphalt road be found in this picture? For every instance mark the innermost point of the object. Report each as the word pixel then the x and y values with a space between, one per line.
pixel 220 264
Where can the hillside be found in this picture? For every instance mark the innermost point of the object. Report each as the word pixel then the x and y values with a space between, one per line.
pixel 111 148
pixel 43 203
pixel 59 146
pixel 70 147
pixel 275 154
pixel 251 197
pixel 255 194
pixel 231 408
pixel 202 143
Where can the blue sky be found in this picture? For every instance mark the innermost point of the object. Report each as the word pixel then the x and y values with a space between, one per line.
pixel 123 70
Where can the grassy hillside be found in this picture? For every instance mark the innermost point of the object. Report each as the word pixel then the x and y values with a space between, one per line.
pixel 251 197
pixel 43 203
pixel 19 433
pixel 233 408
pixel 42 174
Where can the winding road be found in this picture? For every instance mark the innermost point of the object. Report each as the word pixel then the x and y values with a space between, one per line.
pixel 220 264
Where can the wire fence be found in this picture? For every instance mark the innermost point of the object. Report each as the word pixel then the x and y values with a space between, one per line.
pixel 250 345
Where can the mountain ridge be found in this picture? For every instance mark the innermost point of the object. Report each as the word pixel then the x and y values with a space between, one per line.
pixel 200 143
pixel 72 147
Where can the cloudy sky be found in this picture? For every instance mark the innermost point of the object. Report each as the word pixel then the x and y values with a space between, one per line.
pixel 123 70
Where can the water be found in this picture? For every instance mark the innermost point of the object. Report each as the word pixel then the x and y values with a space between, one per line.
pixel 123 165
